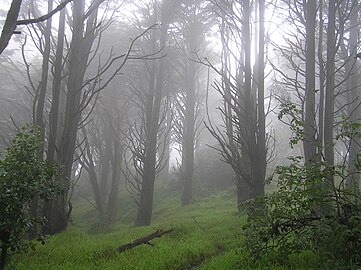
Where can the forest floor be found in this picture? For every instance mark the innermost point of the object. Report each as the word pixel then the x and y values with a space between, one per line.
pixel 207 235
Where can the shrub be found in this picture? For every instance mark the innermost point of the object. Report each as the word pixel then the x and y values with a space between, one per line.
pixel 306 213
pixel 24 175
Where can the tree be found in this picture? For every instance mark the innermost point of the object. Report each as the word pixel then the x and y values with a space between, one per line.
pixel 12 21
pixel 24 175
pixel 243 141
pixel 192 23
pixel 354 111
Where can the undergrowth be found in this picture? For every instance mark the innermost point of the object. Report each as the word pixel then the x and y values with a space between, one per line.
pixel 207 235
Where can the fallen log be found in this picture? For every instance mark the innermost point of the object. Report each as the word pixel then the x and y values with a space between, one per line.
pixel 144 240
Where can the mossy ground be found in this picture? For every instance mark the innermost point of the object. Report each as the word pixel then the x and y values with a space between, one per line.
pixel 207 235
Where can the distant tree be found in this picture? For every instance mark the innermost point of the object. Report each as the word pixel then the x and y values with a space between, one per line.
pixel 243 140
pixel 103 152
pixel 24 175
pixel 191 21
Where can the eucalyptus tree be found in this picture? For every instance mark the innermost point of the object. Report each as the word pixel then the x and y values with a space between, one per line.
pixel 192 23
pixel 243 141
pixel 349 47
pixel 103 151
pixel 77 82
pixel 146 127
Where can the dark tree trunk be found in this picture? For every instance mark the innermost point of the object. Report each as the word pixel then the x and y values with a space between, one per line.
pixel 353 82
pixel 114 189
pixel 309 142
pixel 40 97
pixel 330 85
pixel 188 137
pixel 145 207
pixel 78 58
pixel 260 166
pixel 10 24
pixel 54 112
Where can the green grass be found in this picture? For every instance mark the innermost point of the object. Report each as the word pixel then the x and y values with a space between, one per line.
pixel 207 235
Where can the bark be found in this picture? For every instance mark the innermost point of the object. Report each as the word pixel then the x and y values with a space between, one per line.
pixel 78 58
pixel 353 179
pixel 10 24
pixel 145 208
pixel 11 21
pixel 310 129
pixel 39 101
pixel 144 240
pixel 248 116
pixel 54 112
pixel 189 133
pixel 56 86
pixel 260 168
pixel 4 253
pixel 114 189
pixel 321 80
pixel 105 162
pixel 330 85
pixel 41 91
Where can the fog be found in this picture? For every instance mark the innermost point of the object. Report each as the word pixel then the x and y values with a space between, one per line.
pixel 139 99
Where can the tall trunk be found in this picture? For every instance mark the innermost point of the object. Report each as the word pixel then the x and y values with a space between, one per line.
pixel 188 137
pixel 105 162
pixel 353 179
pixel 4 253
pixel 41 91
pixel 321 79
pixel 54 110
pixel 165 148
pixel 310 129
pixel 78 57
pixel 260 168
pixel 114 189
pixel 330 85
pixel 248 119
pixel 145 208
pixel 39 101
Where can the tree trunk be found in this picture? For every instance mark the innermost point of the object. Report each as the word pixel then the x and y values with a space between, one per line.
pixel 54 112
pixel 145 207
pixel 39 100
pixel 188 137
pixel 4 253
pixel 330 85
pixel 114 189
pixel 10 24
pixel 260 168
pixel 105 162
pixel 310 129
pixel 353 178
pixel 78 58
pixel 321 82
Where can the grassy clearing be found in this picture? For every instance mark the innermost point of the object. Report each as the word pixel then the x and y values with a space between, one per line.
pixel 207 235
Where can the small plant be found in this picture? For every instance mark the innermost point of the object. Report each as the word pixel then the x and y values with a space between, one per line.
pixel 24 175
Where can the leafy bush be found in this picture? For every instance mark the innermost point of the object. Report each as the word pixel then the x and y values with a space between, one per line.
pixel 306 213
pixel 24 175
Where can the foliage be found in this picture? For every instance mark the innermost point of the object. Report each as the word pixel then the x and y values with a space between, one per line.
pixel 207 236
pixel 24 175
pixel 306 213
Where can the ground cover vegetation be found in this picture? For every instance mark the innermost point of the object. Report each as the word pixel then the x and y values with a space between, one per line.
pixel 207 235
